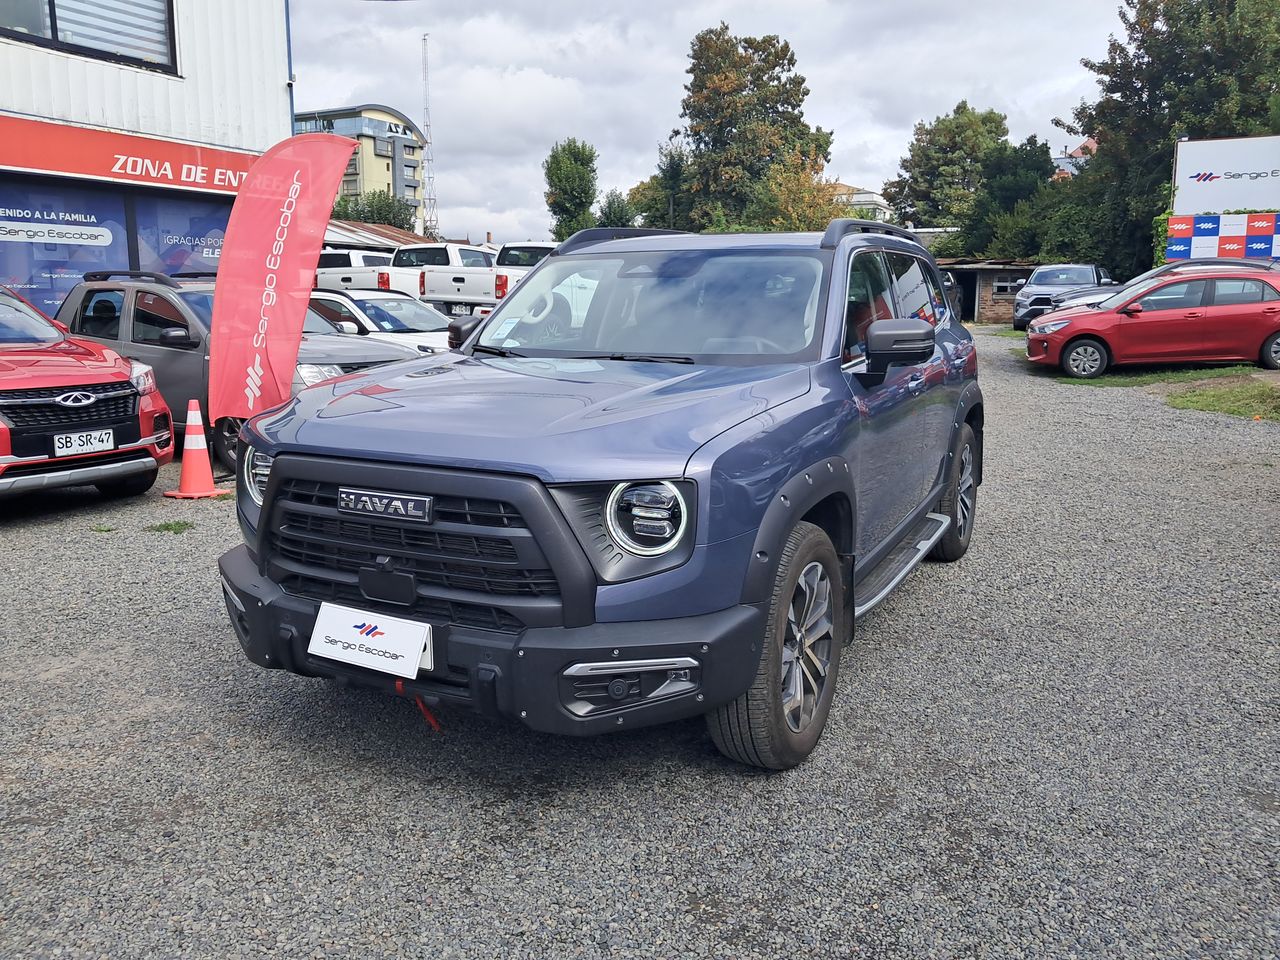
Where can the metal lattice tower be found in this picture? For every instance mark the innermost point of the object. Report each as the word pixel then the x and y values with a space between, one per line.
pixel 430 216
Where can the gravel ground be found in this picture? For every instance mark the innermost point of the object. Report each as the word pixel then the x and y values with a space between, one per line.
pixel 1064 745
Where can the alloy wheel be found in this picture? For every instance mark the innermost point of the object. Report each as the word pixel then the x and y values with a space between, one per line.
pixel 1085 360
pixel 1275 351
pixel 965 489
pixel 807 646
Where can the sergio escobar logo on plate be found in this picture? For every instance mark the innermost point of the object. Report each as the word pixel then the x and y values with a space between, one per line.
pixel 371 651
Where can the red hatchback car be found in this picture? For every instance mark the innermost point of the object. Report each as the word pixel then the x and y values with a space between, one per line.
pixel 73 412
pixel 1184 315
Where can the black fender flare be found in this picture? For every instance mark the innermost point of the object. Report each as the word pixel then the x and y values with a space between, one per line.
pixel 970 399
pixel 794 499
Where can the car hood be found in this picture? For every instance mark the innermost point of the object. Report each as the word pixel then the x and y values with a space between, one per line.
pixel 66 363
pixel 437 341
pixel 560 420
pixel 1078 298
pixel 349 348
pixel 1066 313
pixel 1043 290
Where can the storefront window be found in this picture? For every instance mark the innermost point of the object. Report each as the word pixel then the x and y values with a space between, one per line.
pixel 133 31
pixel 180 236
pixel 51 235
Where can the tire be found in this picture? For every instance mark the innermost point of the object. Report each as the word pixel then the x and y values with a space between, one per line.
pixel 134 486
pixel 1021 325
pixel 1270 355
pixel 763 728
pixel 1085 359
pixel 960 499
pixel 224 436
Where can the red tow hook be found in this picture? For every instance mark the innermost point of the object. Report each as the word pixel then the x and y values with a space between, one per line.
pixel 422 707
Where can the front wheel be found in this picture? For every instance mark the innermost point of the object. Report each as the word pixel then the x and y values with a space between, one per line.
pixel 778 721
pixel 226 433
pixel 1085 359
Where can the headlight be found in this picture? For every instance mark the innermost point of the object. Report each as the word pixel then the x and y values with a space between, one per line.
pixel 142 377
pixel 313 373
pixel 255 470
pixel 1051 327
pixel 646 519
pixel 1021 296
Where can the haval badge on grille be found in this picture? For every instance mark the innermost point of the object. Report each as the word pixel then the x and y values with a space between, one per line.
pixel 401 506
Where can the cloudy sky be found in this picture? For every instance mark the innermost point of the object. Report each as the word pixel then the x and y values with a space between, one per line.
pixel 510 79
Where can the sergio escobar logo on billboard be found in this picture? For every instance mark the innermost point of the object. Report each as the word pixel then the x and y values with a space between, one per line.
pixel 253 372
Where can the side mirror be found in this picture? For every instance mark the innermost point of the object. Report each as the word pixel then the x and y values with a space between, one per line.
pixel 1132 309
pixel 905 340
pixel 1108 282
pixel 1019 283
pixel 346 326
pixel 177 337
pixel 460 329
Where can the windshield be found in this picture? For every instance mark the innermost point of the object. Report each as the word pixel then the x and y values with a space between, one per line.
pixel 707 306
pixel 1135 288
pixel 20 324
pixel 1061 277
pixel 403 315
pixel 522 256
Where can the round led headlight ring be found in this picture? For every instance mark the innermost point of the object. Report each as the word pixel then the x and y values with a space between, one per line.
pixel 255 470
pixel 646 518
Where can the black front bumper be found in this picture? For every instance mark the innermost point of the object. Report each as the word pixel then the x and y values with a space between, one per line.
pixel 518 675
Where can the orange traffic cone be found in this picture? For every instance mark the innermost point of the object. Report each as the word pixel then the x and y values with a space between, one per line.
pixel 197 472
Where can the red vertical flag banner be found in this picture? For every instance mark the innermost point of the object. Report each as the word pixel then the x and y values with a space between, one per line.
pixel 266 271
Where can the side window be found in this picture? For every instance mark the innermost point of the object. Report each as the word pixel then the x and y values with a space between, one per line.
pixel 333 311
pixel 99 315
pixel 1104 274
pixel 914 297
pixel 153 314
pixel 1175 296
pixel 1230 293
pixel 936 296
pixel 868 301
pixel 474 258
pixel 375 260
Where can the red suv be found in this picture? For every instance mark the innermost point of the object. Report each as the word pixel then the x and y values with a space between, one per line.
pixel 73 412
pixel 1200 313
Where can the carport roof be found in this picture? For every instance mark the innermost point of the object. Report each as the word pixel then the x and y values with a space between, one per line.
pixel 971 263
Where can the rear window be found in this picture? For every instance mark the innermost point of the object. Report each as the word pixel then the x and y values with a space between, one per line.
pixel 421 257
pixel 521 256
pixel 475 258
pixel 334 260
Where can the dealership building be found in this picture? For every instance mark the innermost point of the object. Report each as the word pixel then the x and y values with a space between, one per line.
pixel 126 127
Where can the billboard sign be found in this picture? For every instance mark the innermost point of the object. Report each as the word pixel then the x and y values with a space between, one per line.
pixel 1224 235
pixel 1213 176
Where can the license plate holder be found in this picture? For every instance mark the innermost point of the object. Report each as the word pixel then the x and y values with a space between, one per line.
pixel 86 441
pixel 372 640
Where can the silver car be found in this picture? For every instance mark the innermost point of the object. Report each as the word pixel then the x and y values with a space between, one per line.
pixel 164 321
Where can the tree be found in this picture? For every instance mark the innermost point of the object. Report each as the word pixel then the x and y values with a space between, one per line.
pixel 942 171
pixel 666 198
pixel 570 171
pixel 743 108
pixel 1010 174
pixel 1184 68
pixel 795 195
pixel 616 211
pixel 375 207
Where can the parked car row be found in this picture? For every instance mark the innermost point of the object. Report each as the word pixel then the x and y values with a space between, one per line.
pixel 1192 310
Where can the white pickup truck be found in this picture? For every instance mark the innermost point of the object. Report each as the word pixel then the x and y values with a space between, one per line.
pixel 454 278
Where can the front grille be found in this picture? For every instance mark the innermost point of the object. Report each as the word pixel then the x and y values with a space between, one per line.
pixel 479 616
pixel 21 414
pixel 1041 301
pixel 468 510
pixel 476 564
pixel 349 546
pixel 88 460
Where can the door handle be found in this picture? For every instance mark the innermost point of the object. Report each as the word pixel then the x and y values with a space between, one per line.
pixel 459 279
pixel 1193 314
pixel 915 382
pixel 1271 309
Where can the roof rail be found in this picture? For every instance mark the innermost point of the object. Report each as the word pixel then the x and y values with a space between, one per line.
pixel 194 274
pixel 584 238
pixel 845 226
pixel 99 275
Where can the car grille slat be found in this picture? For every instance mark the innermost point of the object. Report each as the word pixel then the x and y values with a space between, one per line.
pixel 468 510
pixel 18 410
pixel 476 616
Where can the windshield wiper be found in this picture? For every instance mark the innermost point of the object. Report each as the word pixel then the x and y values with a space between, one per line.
pixel 495 351
pixel 638 357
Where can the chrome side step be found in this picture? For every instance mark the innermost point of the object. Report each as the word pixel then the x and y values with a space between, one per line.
pixel 881 581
